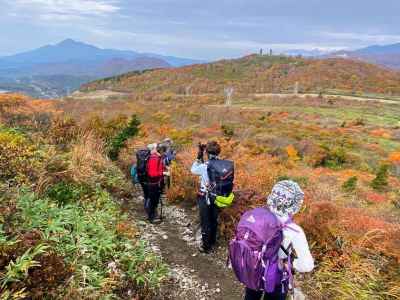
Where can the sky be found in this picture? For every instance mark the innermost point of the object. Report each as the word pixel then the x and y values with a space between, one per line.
pixel 202 29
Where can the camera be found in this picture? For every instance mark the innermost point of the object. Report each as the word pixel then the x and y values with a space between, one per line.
pixel 202 147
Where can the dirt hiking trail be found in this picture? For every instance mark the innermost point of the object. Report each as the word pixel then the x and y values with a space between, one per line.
pixel 193 275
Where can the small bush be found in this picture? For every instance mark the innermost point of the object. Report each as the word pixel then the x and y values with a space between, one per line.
pixel 380 182
pixel 359 122
pixel 106 129
pixel 19 158
pixel 228 130
pixel 350 185
pixel 335 158
pixel 63 131
pixel 118 142
pixel 64 193
pixel 182 138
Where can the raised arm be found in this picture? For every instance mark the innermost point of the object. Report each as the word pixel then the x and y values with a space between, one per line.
pixel 198 168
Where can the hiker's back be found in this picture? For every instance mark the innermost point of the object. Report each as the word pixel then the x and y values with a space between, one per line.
pixel 142 157
pixel 221 174
pixel 155 168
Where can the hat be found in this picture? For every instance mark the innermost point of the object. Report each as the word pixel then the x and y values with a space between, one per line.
pixel 167 141
pixel 152 147
pixel 286 198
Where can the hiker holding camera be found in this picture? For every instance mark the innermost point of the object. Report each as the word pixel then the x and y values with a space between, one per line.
pixel 216 185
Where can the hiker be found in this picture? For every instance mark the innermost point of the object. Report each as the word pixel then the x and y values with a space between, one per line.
pixel 169 155
pixel 216 182
pixel 155 181
pixel 139 170
pixel 268 245
pixel 169 152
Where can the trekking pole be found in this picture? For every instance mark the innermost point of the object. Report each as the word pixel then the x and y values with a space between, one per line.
pixel 161 209
pixel 208 198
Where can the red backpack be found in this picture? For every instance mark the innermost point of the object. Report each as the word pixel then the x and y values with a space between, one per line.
pixel 155 168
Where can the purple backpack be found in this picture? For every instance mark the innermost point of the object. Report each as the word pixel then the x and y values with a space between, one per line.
pixel 253 252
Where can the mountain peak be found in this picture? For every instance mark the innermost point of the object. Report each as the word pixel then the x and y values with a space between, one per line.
pixel 68 42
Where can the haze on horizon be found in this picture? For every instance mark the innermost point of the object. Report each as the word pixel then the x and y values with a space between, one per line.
pixel 200 29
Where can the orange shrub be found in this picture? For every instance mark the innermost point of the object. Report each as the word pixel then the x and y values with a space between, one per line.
pixel 381 133
pixel 183 184
pixel 375 197
pixel 320 222
pixel 293 154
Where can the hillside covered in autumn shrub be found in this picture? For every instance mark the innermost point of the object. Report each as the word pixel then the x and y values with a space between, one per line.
pixel 63 233
pixel 259 74
pixel 343 153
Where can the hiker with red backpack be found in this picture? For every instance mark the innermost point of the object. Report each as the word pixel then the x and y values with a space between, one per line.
pixel 216 186
pixel 151 171
pixel 155 181
pixel 268 245
pixel 139 170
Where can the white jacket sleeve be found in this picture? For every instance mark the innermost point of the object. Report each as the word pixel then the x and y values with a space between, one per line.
pixel 304 261
pixel 198 168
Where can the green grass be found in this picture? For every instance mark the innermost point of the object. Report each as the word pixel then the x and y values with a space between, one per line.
pixel 387 115
pixel 361 95
pixel 66 237
pixel 85 234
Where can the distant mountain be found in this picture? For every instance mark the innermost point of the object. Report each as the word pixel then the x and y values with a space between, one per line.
pixel 66 51
pixel 71 59
pixel 380 50
pixel 73 51
pixel 386 55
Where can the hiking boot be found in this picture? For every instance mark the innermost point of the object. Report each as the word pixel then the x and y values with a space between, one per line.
pixel 204 250
pixel 156 221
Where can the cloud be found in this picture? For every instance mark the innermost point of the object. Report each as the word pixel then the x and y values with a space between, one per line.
pixel 362 37
pixel 248 45
pixel 191 46
pixel 51 9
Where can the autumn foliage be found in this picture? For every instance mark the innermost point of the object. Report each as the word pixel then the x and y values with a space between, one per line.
pixel 334 149
pixel 258 74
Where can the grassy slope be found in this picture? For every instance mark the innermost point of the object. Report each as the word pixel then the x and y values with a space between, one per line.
pixel 62 232
pixel 260 74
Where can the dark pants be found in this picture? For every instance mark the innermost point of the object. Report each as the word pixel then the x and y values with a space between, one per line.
pixel 145 189
pixel 258 295
pixel 208 222
pixel 154 194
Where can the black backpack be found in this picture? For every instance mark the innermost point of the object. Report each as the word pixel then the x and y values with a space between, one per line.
pixel 142 157
pixel 221 174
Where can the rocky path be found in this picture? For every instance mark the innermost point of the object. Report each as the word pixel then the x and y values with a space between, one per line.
pixel 193 275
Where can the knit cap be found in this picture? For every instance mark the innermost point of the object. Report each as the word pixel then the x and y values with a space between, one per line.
pixel 286 198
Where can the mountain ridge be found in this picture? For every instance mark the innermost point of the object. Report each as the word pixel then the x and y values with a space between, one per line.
pixel 384 55
pixel 260 74
pixel 78 62
pixel 71 50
